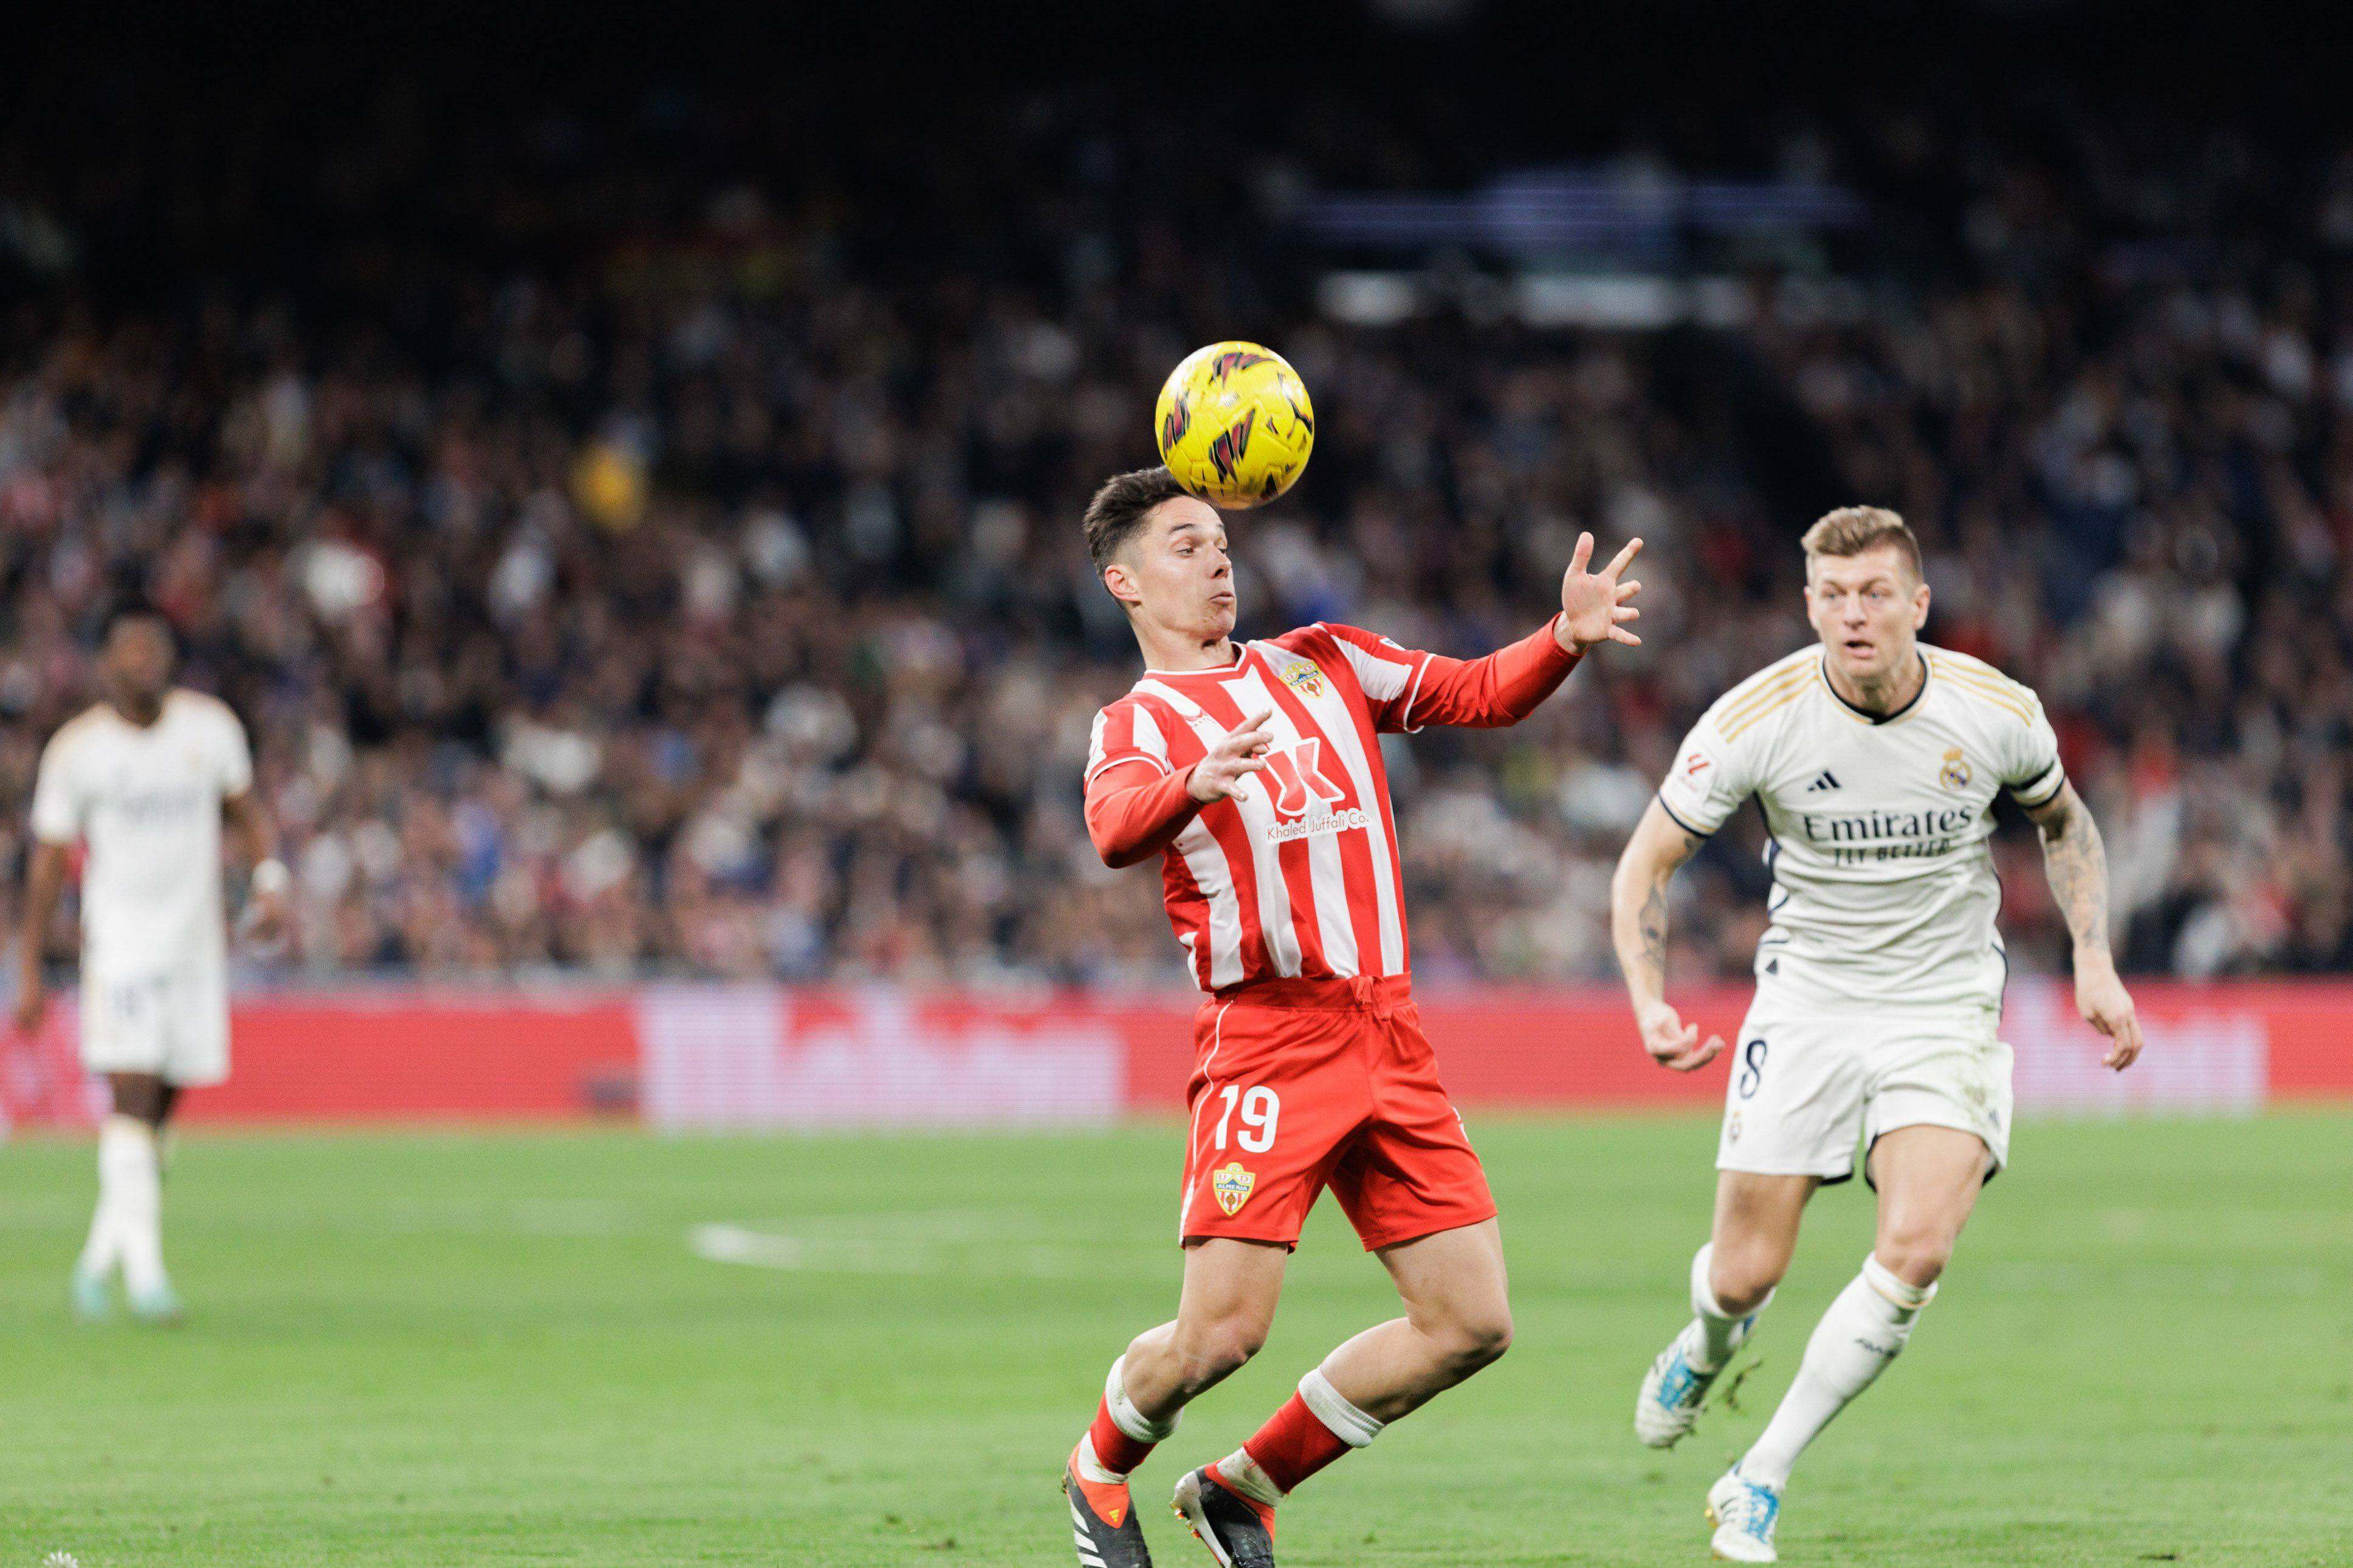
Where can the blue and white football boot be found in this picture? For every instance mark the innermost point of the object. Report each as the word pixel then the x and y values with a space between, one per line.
pixel 1744 1514
pixel 158 1305
pixel 1668 1408
pixel 93 1297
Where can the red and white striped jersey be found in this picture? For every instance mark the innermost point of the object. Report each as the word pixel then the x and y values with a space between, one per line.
pixel 1298 873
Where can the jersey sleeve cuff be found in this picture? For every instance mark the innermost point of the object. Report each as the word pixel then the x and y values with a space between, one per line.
pixel 1679 822
pixel 2042 789
pixel 1405 714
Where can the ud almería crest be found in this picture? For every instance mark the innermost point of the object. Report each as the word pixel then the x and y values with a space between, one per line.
pixel 1302 678
pixel 1955 774
pixel 1232 1186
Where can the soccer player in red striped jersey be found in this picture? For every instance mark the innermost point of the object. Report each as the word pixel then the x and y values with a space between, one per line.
pixel 1253 771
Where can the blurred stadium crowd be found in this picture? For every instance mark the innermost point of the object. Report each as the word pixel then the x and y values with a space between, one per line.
pixel 682 576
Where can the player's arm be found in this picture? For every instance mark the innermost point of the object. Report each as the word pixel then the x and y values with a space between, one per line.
pixel 56 823
pixel 1638 926
pixel 2077 864
pixel 1506 685
pixel 45 879
pixel 1132 819
pixel 256 837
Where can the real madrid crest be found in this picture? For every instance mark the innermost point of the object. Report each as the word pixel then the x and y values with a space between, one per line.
pixel 1232 1184
pixel 1955 774
pixel 1304 678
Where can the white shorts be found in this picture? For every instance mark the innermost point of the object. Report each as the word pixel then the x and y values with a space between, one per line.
pixel 174 1023
pixel 1807 1088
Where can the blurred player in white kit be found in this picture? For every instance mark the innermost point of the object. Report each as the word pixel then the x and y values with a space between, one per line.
pixel 1877 760
pixel 145 778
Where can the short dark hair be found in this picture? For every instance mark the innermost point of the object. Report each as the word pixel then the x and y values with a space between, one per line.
pixel 1120 507
pixel 131 604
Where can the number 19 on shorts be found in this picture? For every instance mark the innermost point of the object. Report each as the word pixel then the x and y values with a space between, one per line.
pixel 1260 1109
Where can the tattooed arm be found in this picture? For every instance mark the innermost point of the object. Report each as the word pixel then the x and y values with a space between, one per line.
pixel 1637 925
pixel 2077 864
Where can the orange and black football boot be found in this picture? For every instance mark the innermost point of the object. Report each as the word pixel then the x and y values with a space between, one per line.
pixel 1238 1532
pixel 1103 1521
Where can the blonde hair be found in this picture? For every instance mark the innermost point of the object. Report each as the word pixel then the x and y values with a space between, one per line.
pixel 1852 529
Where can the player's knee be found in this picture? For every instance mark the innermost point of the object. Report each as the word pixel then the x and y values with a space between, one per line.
pixel 1915 1253
pixel 1211 1350
pixel 1740 1279
pixel 1469 1339
pixel 1484 1339
pixel 140 1098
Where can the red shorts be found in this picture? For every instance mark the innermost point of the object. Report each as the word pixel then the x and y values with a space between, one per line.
pixel 1299 1085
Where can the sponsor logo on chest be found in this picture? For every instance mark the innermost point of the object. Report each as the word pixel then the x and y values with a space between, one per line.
pixel 1305 795
pixel 1922 826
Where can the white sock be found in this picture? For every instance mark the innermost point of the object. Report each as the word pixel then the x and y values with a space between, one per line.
pixel 1128 1419
pixel 1093 1468
pixel 1340 1418
pixel 1714 1334
pixel 104 1248
pixel 1126 1416
pixel 130 1195
pixel 1244 1475
pixel 1861 1333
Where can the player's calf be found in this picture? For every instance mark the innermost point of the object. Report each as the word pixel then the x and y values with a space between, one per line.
pixel 1865 1329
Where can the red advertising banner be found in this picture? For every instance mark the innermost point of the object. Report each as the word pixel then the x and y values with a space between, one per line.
pixel 711 1056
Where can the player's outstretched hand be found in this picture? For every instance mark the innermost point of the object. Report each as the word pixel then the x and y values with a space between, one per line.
pixel 1593 605
pixel 2107 1006
pixel 1674 1042
pixel 1219 775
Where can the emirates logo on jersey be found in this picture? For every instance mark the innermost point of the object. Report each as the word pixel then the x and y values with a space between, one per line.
pixel 1297 774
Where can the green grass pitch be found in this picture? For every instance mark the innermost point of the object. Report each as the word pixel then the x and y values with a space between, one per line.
pixel 502 1349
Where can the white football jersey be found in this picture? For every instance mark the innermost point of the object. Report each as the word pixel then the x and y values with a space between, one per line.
pixel 1883 889
pixel 148 802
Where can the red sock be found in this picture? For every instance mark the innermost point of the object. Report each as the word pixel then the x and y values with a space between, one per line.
pixel 1294 1444
pixel 1114 1450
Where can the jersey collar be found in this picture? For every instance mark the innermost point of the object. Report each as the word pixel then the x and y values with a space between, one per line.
pixel 1215 672
pixel 1928 673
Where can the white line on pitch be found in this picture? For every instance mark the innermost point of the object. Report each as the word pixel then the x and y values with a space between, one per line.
pixel 976 1256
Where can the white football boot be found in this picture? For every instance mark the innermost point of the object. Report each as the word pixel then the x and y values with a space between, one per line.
pixel 93 1297
pixel 1744 1514
pixel 1668 1407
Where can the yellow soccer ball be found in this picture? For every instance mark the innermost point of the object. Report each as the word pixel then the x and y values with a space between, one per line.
pixel 1235 426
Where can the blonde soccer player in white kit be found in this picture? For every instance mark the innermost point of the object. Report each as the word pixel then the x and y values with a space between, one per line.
pixel 1877 759
pixel 144 779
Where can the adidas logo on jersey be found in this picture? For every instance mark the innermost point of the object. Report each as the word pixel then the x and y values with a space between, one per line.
pixel 1823 780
